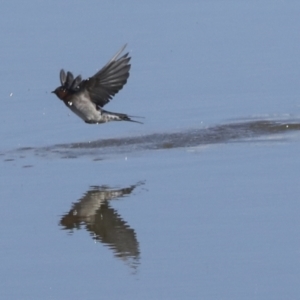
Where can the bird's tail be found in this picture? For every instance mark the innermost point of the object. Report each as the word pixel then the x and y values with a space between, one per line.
pixel 111 116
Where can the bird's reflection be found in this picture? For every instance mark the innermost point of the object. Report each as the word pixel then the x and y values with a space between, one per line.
pixel 105 225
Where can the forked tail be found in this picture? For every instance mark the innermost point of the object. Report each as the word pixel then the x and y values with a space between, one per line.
pixel 111 116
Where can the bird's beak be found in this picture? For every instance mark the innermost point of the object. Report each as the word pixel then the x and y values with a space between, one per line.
pixel 53 92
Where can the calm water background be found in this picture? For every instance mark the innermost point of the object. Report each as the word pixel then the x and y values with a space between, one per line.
pixel 202 201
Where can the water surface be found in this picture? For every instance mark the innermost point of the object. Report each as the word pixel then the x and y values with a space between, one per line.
pixel 202 201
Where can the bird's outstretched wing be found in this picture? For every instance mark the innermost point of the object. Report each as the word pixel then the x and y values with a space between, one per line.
pixel 109 80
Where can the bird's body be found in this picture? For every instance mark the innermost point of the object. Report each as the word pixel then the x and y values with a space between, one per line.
pixel 87 97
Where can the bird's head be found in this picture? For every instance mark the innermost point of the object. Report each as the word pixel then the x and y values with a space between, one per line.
pixel 61 92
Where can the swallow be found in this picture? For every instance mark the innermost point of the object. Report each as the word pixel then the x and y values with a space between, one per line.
pixel 86 98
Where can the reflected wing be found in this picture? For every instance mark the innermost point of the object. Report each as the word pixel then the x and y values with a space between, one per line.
pixel 109 80
pixel 109 228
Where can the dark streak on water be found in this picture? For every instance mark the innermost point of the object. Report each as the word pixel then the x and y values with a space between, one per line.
pixel 226 133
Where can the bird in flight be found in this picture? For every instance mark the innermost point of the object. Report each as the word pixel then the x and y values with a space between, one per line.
pixel 86 98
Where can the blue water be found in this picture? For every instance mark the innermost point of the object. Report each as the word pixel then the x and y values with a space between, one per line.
pixel 199 202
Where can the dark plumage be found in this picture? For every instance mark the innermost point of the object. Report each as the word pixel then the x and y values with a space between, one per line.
pixel 87 97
